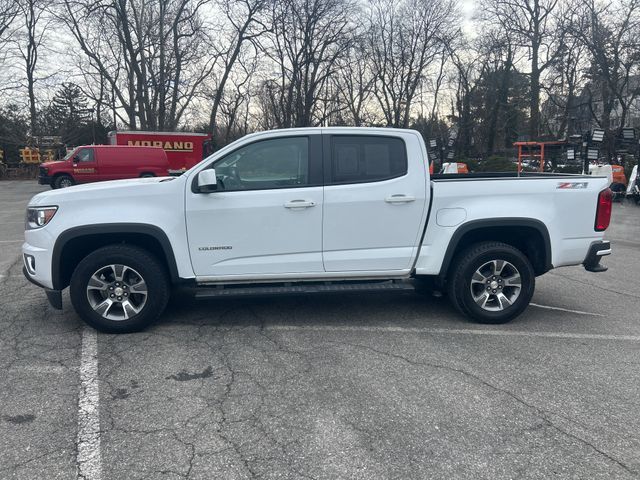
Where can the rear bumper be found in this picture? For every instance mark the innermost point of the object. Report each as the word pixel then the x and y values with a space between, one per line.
pixel 596 252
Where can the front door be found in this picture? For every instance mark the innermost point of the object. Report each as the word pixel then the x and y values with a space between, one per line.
pixel 85 166
pixel 265 218
pixel 374 202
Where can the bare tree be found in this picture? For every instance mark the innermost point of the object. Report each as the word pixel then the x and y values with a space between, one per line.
pixel 29 42
pixel 564 79
pixel 354 83
pixel 405 40
pixel 234 106
pixel 151 54
pixel 309 37
pixel 611 33
pixel 470 72
pixel 246 24
pixel 534 25
pixel 499 48
pixel 8 12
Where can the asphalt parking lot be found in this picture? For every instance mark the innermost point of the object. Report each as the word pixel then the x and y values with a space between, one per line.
pixel 345 386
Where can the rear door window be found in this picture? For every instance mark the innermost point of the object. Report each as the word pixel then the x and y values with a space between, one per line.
pixel 361 159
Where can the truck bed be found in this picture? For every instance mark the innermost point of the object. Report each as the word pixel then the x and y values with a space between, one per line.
pixel 498 175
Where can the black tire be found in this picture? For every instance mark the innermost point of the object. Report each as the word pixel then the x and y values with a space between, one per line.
pixel 139 263
pixel 467 291
pixel 63 181
pixel 147 175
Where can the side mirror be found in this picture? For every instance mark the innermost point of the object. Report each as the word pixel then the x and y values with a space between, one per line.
pixel 207 181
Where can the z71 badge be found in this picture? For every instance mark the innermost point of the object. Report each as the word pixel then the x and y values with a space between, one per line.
pixel 572 185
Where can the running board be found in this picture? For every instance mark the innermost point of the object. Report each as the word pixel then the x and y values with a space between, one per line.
pixel 302 288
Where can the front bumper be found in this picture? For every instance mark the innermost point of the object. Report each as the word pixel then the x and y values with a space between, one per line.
pixel 54 296
pixel 37 257
pixel 44 179
pixel 596 252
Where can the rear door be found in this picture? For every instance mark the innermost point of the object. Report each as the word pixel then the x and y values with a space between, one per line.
pixel 374 202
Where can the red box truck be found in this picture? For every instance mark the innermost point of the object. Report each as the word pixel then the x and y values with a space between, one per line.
pixel 183 149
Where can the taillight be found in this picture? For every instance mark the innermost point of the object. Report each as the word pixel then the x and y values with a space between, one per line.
pixel 603 212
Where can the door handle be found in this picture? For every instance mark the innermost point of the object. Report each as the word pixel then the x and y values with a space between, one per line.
pixel 399 198
pixel 299 204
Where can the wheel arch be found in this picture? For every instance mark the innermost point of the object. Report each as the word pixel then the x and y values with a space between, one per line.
pixel 529 235
pixel 74 244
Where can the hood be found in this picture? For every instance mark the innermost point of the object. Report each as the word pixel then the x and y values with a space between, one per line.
pixel 53 164
pixel 92 191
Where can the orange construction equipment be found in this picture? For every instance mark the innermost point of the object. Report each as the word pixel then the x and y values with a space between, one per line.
pixel 454 167
pixel 30 156
pixel 533 151
pixel 618 174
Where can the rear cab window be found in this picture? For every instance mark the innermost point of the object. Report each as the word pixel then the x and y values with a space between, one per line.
pixel 366 158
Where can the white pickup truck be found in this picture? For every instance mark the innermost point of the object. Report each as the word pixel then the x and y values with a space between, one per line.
pixel 312 210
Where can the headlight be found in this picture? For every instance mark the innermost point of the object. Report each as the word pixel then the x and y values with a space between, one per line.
pixel 38 217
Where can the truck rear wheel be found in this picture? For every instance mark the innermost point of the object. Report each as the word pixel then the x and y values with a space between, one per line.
pixel 63 181
pixel 119 289
pixel 491 282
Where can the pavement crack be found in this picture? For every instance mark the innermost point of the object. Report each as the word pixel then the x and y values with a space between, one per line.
pixel 542 414
pixel 184 376
pixel 599 287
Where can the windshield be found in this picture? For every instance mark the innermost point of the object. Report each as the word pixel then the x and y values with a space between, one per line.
pixel 70 154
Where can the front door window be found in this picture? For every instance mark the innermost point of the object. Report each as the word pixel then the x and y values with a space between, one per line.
pixel 265 165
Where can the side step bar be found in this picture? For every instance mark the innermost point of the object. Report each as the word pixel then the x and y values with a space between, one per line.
pixel 302 288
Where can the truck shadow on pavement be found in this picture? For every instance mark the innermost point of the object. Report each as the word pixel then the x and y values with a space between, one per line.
pixel 405 309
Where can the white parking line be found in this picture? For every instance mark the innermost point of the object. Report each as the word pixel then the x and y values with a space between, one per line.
pixel 560 309
pixel 451 331
pixel 89 463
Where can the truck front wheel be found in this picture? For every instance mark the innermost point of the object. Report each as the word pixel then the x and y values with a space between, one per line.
pixel 491 282
pixel 119 289
pixel 63 181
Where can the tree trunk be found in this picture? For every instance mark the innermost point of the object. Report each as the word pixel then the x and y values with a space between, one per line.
pixel 534 104
pixel 502 99
pixel 33 116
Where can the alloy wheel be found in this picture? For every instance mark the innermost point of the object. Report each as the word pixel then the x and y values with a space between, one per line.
pixel 496 285
pixel 117 292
